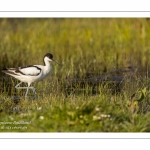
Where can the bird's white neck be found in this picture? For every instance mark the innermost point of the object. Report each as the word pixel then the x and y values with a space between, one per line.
pixel 47 64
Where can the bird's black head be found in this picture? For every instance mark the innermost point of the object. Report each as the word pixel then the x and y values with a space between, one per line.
pixel 49 55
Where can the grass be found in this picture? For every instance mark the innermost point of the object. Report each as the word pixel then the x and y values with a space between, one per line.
pixel 96 46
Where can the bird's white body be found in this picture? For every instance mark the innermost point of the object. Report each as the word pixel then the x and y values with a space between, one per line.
pixel 45 70
pixel 32 73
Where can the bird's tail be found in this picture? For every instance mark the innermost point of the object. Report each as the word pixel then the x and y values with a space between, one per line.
pixel 10 71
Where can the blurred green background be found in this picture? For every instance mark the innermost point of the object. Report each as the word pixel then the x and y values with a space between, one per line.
pixel 82 44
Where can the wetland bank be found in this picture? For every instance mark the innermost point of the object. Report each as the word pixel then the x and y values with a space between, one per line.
pixel 103 85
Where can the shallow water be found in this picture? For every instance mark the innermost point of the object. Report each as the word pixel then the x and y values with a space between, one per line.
pixel 88 83
pixel 114 80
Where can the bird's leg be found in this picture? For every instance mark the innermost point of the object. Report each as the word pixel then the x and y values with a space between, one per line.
pixel 33 89
pixel 17 85
pixel 27 90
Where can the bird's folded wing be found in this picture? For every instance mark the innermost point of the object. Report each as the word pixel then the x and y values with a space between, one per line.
pixel 29 70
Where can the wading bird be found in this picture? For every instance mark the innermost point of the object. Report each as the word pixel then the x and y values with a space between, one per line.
pixel 32 73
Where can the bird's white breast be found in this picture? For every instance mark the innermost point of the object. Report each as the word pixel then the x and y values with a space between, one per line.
pixel 45 70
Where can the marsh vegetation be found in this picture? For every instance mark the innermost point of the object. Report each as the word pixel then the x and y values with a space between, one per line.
pixel 103 85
